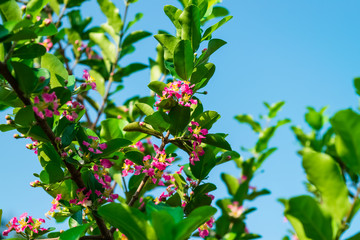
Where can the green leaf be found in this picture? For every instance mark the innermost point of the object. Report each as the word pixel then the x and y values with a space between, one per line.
pixel 173 14
pixel 107 47
pixel 314 119
pixel 183 59
pixel 128 70
pixel 35 6
pixel 196 218
pixel 136 156
pixel 203 167
pixel 214 27
pixel 176 213
pixel 25 77
pixel 75 233
pixel 157 87
pixel 99 80
pixel 10 10
pixel 267 134
pixel 159 121
pixel 346 124
pixel 56 68
pixel 213 46
pixel 232 183
pixel 145 128
pixel 325 173
pixel 112 14
pixel 190 26
pixel 29 51
pixel 179 119
pixel 113 146
pixel 355 237
pixel 129 221
pixel 25 116
pixel 202 74
pixel 274 108
pixel 357 85
pixel 112 128
pixel 6 128
pixel 9 98
pixel 52 173
pixel 145 108
pixel 135 37
pixel 249 120
pixel 137 18
pixel 49 30
pixel 217 140
pixel 316 225
pixel 169 44
pixel 207 119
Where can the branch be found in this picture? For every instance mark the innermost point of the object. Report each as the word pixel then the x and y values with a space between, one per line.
pixel 111 78
pixel 75 174
pixel 346 222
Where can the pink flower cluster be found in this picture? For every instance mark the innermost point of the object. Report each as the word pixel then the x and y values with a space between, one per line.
pixel 169 189
pixel 33 146
pixel 104 179
pixel 55 204
pixel 180 91
pixel 47 106
pixel 154 168
pixel 94 145
pixel 72 110
pixel 35 183
pixel 83 199
pixel 26 224
pixel 198 133
pixel 235 210
pixel 47 43
pixel 204 229
pixel 89 80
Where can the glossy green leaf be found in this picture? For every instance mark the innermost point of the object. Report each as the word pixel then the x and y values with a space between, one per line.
pixel 176 213
pixel 203 167
pixel 183 59
pixel 112 128
pixel 217 140
pixel 112 14
pixel 145 108
pixel 159 121
pixel 9 98
pixel 315 223
pixel 35 6
pixel 136 156
pixel 179 118
pixel 196 218
pixel 248 119
pixel 29 51
pixel 129 221
pixel 173 14
pixel 157 87
pixel 207 119
pixel 144 128
pixel 169 44
pixel 49 30
pixel 25 77
pixel 213 46
pixel 128 70
pixel 10 10
pixel 214 27
pixel 135 37
pixel 107 47
pixel 137 18
pixel 325 173
pixel 56 68
pixel 113 146
pixel 346 124
pixel 52 173
pixel 190 26
pixel 75 233
pixel 25 116
pixel 202 74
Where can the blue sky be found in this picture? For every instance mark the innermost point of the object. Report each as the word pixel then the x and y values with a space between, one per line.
pixel 303 52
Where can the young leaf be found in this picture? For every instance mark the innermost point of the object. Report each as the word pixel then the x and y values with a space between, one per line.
pixel 211 29
pixel 184 59
pixel 190 26
pixel 111 13
pixel 249 120
pixel 134 37
pixel 34 7
pixel 107 47
pixel 10 10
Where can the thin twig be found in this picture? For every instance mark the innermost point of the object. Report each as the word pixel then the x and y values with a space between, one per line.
pixel 113 68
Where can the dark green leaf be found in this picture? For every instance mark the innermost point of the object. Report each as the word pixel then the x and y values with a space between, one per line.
pixel 25 77
pixel 184 59
pixel 190 26
pixel 207 119
pixel 202 74
pixel 159 121
pixel 217 140
pixel 135 156
pixel 29 51
pixel 211 29
pixel 145 108
pixel 203 167
pixel 179 119
pixel 49 30
pixel 75 233
pixel 213 46
pixel 25 116
pixel 128 70
pixel 135 37
pixel 113 146
pixel 157 87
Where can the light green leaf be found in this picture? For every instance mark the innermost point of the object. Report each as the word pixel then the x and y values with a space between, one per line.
pixel 10 10
pixel 112 128
pixel 184 59
pixel 56 68
pixel 274 108
pixel 346 124
pixel 25 116
pixel 213 46
pixel 144 128
pixel 145 108
pixel 190 26
pixel 99 80
pixel 325 173
pixel 315 119
pixel 315 223
pixel 137 18
pixel 111 13
pixel 211 29
pixel 157 87
pixel 202 74
pixel 249 120
pixel 134 37
pixel 169 43
pixel 107 47
pixel 173 14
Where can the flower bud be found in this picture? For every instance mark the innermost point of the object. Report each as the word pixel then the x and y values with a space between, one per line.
pixel 16 135
pixel 228 157
pixel 29 146
pixel 57 139
pixel 204 50
pixel 63 154
pixel 76 41
pixel 47 21
pixel 46 89
pixel 83 86
pixel 23 8
pixel 41 79
pixel 10 122
pixel 28 16
pixel 116 157
pixel 7 117
pixel 66 82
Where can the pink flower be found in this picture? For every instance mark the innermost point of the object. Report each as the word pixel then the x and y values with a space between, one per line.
pixel 106 163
